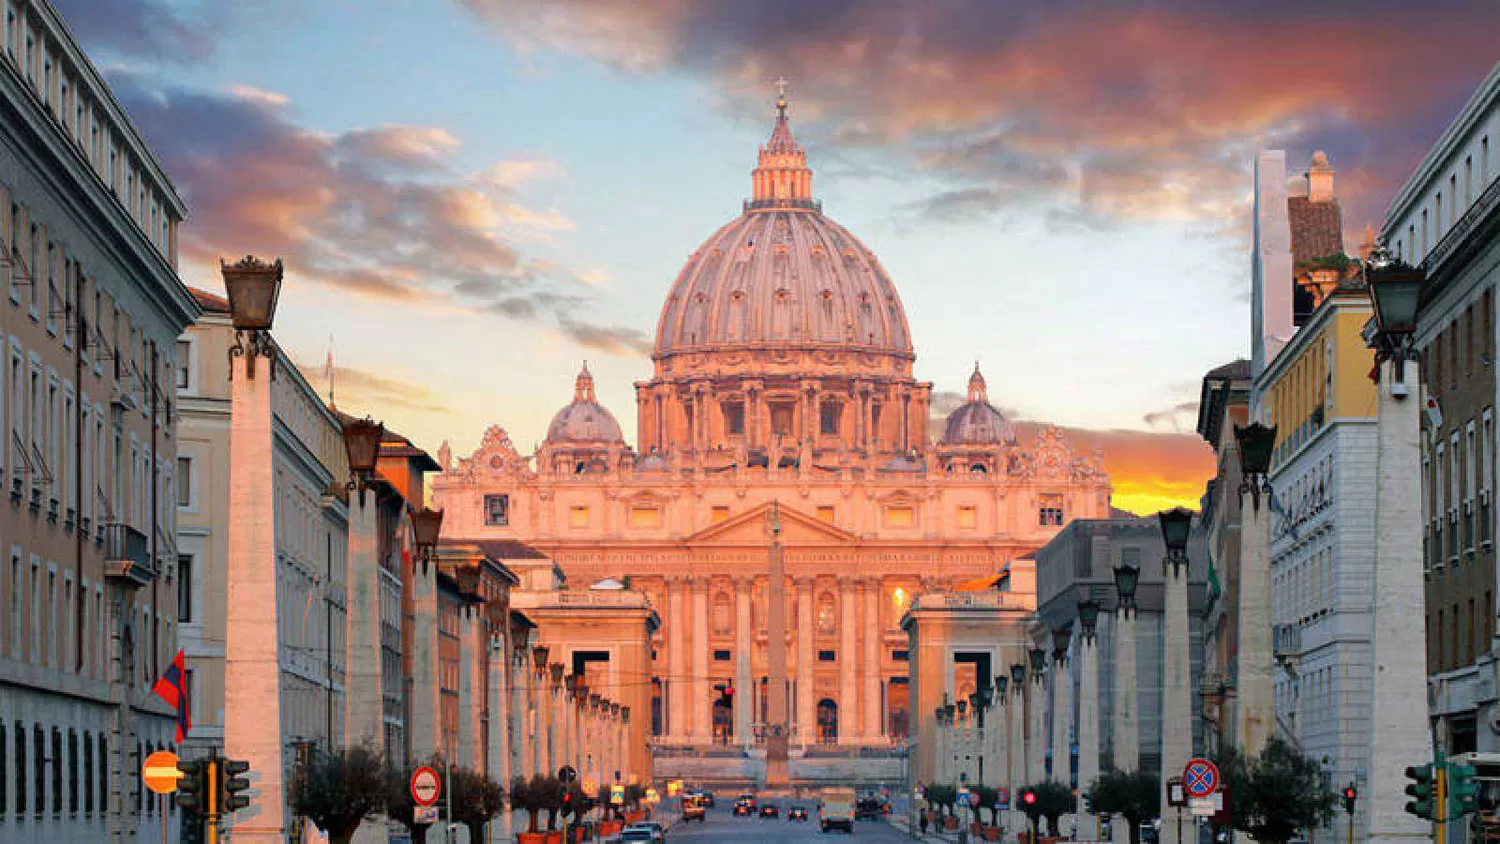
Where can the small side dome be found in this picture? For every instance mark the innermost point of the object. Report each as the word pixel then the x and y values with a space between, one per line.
pixel 977 422
pixel 585 420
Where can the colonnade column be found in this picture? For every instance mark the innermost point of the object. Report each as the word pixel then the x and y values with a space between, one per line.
pixel 540 712
pixel 525 744
pixel 742 661
pixel 848 711
pixel 702 704
pixel 677 666
pixel 1176 693
pixel 470 688
pixel 1036 714
pixel 806 714
pixel 1088 712
pixel 561 749
pixel 874 636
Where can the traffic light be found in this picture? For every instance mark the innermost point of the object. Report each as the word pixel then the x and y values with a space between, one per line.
pixel 192 788
pixel 1088 803
pixel 1462 790
pixel 1028 798
pixel 1351 795
pixel 726 694
pixel 230 770
pixel 1423 788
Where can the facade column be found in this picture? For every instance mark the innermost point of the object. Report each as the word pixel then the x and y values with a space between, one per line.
pixel 848 711
pixel 941 756
pixel 874 639
pixel 702 703
pixel 252 644
pixel 677 666
pixel 1255 689
pixel 1088 725
pixel 1177 692
pixel 1061 716
pixel 425 728
pixel 807 718
pixel 525 736
pixel 1398 732
pixel 743 653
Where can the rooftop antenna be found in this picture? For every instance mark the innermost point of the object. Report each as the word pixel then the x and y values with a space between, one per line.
pixel 328 373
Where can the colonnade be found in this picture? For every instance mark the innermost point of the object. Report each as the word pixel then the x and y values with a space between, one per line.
pixel 853 678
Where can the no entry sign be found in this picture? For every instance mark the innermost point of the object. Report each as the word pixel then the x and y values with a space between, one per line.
pixel 160 772
pixel 1200 778
pixel 424 786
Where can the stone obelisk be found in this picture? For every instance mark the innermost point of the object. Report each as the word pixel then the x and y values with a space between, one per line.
pixel 776 720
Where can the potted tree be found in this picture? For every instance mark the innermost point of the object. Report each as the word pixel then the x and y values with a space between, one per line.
pixel 1133 795
pixel 549 791
pixel 475 799
pixel 523 795
pixel 987 798
pixel 611 824
pixel 634 794
pixel 943 797
pixel 1277 793
pixel 337 791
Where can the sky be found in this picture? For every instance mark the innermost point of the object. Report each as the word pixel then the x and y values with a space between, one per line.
pixel 473 197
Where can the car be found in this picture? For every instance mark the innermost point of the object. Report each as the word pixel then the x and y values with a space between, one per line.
pixel 867 809
pixel 658 832
pixel 797 813
pixel 744 807
pixel 633 835
pixel 694 810
pixel 769 810
pixel 708 797
pixel 749 798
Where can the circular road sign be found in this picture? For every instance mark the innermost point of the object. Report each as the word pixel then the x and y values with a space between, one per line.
pixel 1002 796
pixel 1200 778
pixel 160 772
pixel 425 786
pixel 973 799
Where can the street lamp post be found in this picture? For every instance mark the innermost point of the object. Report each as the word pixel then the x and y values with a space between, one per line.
pixel 1255 687
pixel 1125 730
pixel 1036 709
pixel 252 644
pixel 1177 713
pixel 1397 733
pixel 1088 701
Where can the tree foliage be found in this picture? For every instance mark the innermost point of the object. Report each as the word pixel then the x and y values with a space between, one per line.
pixel 1133 795
pixel 1053 800
pixel 475 799
pixel 337 791
pixel 1274 795
pixel 987 798
pixel 942 796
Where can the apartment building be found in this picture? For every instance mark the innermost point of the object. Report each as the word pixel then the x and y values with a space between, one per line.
pixel 90 311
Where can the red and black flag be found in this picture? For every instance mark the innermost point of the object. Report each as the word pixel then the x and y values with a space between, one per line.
pixel 173 688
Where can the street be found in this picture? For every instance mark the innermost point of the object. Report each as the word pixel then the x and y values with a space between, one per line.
pixel 723 826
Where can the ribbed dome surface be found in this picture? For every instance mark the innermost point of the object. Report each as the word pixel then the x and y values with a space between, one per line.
pixel 977 422
pixel 585 420
pixel 783 278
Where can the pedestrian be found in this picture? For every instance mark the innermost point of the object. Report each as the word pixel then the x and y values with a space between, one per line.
pixel 922 820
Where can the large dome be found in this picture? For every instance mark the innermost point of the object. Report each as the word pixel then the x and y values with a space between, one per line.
pixel 783 275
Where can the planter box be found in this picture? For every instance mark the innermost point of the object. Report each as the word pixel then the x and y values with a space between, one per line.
pixel 531 838
pixel 950 824
pixel 608 828
pixel 634 817
pixel 992 833
pixel 555 837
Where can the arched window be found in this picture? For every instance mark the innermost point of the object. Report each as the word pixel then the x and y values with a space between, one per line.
pixel 828 721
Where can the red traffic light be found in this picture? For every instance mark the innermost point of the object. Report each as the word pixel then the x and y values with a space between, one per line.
pixel 729 691
pixel 1350 793
pixel 1028 797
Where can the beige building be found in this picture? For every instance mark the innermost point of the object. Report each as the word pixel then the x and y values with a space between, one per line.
pixel 90 309
pixel 309 467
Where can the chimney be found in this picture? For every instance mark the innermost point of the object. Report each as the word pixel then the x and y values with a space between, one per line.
pixel 1320 178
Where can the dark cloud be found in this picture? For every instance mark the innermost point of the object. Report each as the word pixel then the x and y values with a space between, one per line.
pixel 169 33
pixel 1118 109
pixel 1178 418
pixel 378 212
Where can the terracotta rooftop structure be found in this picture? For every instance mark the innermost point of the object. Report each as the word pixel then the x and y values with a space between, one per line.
pixel 211 303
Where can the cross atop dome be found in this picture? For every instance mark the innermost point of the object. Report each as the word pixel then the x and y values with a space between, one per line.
pixel 978 390
pixel 781 178
pixel 583 388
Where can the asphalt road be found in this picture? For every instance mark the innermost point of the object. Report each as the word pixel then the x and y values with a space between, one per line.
pixel 722 826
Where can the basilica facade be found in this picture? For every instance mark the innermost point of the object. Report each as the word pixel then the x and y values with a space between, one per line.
pixel 782 375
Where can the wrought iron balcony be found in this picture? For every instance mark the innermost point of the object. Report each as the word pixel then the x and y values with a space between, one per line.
pixel 127 557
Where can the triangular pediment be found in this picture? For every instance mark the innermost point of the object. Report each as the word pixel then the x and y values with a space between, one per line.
pixel 752 527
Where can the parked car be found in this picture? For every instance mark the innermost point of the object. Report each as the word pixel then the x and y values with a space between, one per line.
pixel 707 797
pixel 797 813
pixel 633 835
pixel 743 807
pixel 694 810
pixel 769 810
pixel 867 809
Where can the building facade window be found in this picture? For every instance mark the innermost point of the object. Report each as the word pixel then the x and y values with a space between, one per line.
pixel 1050 510
pixel 734 418
pixel 718 513
pixel 497 510
pixel 828 656
pixel 968 516
pixel 830 412
pixel 184 588
pixel 578 516
pixel 825 514
pixel 645 516
pixel 900 516
pixel 185 482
